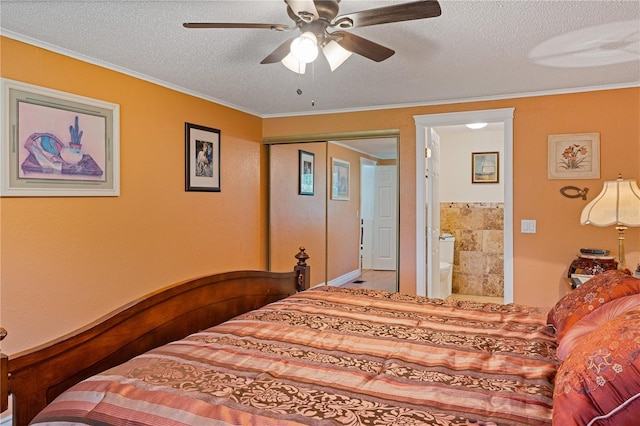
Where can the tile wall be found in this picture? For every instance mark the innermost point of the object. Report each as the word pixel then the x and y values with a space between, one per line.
pixel 479 247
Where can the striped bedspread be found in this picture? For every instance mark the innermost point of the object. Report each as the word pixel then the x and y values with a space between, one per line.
pixel 335 356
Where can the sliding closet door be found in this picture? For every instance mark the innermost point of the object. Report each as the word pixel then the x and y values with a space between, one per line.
pixel 343 214
pixel 297 219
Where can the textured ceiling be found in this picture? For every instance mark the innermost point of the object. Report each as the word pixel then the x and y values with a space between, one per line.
pixel 475 50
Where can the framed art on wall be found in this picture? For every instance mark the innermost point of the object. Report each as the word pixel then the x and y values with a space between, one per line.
pixel 573 156
pixel 58 144
pixel 340 179
pixel 202 158
pixel 306 165
pixel 485 167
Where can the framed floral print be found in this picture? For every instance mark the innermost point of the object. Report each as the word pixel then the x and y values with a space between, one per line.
pixel 573 156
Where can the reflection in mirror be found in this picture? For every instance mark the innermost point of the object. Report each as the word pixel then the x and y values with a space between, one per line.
pixel 296 219
pixel 349 224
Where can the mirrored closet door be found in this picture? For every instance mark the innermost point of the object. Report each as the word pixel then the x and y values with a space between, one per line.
pixel 338 199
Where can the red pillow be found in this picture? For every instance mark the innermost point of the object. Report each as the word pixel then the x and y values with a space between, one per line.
pixel 578 303
pixel 595 319
pixel 600 379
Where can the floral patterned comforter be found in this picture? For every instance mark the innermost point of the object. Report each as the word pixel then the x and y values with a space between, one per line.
pixel 335 356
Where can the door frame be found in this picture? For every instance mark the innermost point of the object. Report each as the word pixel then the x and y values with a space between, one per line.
pixel 366 204
pixel 423 123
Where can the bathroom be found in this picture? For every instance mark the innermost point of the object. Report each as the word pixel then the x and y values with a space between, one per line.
pixel 471 215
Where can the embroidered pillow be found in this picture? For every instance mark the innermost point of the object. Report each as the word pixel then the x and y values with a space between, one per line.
pixel 578 303
pixel 600 379
pixel 595 319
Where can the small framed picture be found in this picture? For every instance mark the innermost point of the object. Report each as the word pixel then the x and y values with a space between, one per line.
pixel 485 167
pixel 202 158
pixel 306 164
pixel 339 179
pixel 574 156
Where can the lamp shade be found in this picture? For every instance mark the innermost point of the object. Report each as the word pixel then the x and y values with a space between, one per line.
pixel 617 204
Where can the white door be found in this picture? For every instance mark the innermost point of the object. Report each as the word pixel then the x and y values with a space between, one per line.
pixel 385 218
pixel 367 178
pixel 433 216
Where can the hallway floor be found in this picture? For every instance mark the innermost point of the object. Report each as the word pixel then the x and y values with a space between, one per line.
pixel 375 280
pixel 482 299
pixel 386 280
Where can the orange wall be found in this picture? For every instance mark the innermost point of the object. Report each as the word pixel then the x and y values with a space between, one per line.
pixel 541 259
pixel 67 261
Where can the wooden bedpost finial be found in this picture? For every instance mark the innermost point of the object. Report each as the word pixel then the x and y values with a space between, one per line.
pixel 302 257
pixel 302 269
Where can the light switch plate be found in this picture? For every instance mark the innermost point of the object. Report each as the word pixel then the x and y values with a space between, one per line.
pixel 528 226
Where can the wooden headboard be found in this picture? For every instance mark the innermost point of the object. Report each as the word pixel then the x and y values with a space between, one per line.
pixel 35 377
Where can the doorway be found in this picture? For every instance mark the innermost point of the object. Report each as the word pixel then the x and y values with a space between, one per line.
pixel 378 226
pixel 427 219
pixel 377 194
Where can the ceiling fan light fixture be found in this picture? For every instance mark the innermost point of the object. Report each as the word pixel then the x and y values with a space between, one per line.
pixel 293 64
pixel 305 48
pixel 314 18
pixel 335 54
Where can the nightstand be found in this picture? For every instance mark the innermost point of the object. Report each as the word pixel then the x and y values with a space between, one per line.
pixel 591 265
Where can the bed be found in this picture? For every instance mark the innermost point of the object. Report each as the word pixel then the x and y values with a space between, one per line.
pixel 330 355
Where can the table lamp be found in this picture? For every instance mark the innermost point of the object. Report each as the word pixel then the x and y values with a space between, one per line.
pixel 618 204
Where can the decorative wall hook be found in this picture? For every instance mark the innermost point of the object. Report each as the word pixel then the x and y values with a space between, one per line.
pixel 574 192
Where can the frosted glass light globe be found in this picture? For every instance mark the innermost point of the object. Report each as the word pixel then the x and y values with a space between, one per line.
pixel 305 48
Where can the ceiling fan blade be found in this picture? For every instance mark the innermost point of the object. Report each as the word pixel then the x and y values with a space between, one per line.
pixel 304 9
pixel 388 14
pixel 362 46
pixel 279 54
pixel 275 27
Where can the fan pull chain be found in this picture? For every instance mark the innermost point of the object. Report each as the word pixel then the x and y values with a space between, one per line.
pixel 313 84
pixel 299 90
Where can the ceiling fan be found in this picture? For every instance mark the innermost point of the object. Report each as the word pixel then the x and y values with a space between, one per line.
pixel 316 18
